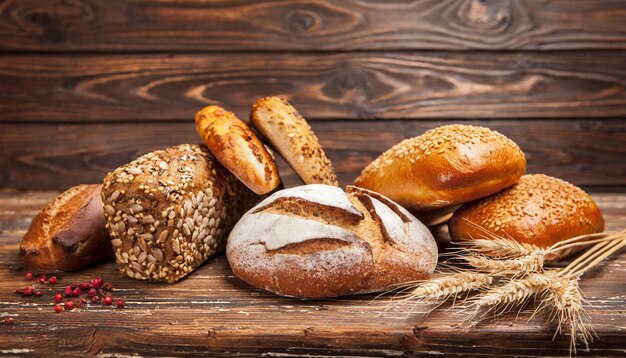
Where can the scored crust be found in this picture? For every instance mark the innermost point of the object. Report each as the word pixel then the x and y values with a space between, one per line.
pixel 326 250
pixel 294 140
pixel 170 210
pixel 69 233
pixel 445 166
pixel 237 148
pixel 539 210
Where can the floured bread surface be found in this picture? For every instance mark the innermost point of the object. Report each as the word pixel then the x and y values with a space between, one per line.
pixel 170 210
pixel 318 241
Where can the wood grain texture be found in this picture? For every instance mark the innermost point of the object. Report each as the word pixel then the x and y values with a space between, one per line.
pixel 33 156
pixel 312 25
pixel 322 86
pixel 212 311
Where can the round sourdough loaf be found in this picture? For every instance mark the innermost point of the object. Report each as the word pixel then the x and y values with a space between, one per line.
pixel 445 166
pixel 170 210
pixel 539 210
pixel 318 241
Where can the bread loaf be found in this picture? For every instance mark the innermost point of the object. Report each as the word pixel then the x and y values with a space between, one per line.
pixel 170 210
pixel 445 166
pixel 294 140
pixel 317 241
pixel 237 148
pixel 69 233
pixel 539 210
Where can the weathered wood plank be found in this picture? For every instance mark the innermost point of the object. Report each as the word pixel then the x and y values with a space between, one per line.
pixel 110 88
pixel 213 311
pixel 313 25
pixel 34 156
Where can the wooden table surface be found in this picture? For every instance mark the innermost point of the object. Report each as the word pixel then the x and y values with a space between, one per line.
pixel 212 311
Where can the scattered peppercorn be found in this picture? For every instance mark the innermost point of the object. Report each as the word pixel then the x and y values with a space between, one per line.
pixel 120 303
pixel 29 276
pixel 42 279
pixel 58 298
pixel 107 300
pixel 58 308
pixel 10 320
pixel 69 305
pixel 53 280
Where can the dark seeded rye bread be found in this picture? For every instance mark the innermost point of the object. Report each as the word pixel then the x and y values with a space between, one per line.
pixel 318 241
pixel 170 210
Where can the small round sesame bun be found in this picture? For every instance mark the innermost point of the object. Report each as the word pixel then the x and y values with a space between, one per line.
pixel 539 210
pixel 237 148
pixel 445 166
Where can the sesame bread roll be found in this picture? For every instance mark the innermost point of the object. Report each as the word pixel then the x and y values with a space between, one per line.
pixel 445 166
pixel 316 241
pixel 539 210
pixel 170 210
pixel 294 140
pixel 237 148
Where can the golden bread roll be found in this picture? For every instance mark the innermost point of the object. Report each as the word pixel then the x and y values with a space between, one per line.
pixel 236 146
pixel 317 241
pixel 539 210
pixel 294 140
pixel 170 210
pixel 69 233
pixel 445 166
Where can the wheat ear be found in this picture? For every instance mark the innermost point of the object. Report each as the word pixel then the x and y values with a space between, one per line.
pixel 515 292
pixel 442 288
pixel 516 267
pixel 565 301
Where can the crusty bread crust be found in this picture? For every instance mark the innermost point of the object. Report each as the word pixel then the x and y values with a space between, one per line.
pixel 318 241
pixel 237 148
pixel 294 140
pixel 445 166
pixel 170 210
pixel 539 210
pixel 69 233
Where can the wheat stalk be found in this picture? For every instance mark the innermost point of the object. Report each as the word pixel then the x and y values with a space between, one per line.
pixel 516 267
pixel 442 288
pixel 565 304
pixel 507 274
pixel 512 294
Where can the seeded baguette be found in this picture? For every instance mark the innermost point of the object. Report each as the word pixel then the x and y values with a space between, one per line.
pixel 170 210
pixel 294 140
pixel 69 233
pixel 236 146
pixel 444 167
pixel 317 241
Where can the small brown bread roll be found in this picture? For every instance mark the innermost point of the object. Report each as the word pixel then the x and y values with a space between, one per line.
pixel 294 140
pixel 539 210
pixel 317 241
pixel 445 166
pixel 236 146
pixel 170 210
pixel 69 233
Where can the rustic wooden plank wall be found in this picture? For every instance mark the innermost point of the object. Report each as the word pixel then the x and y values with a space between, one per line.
pixel 86 86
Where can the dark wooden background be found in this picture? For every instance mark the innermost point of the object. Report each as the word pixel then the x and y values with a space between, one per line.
pixel 86 86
